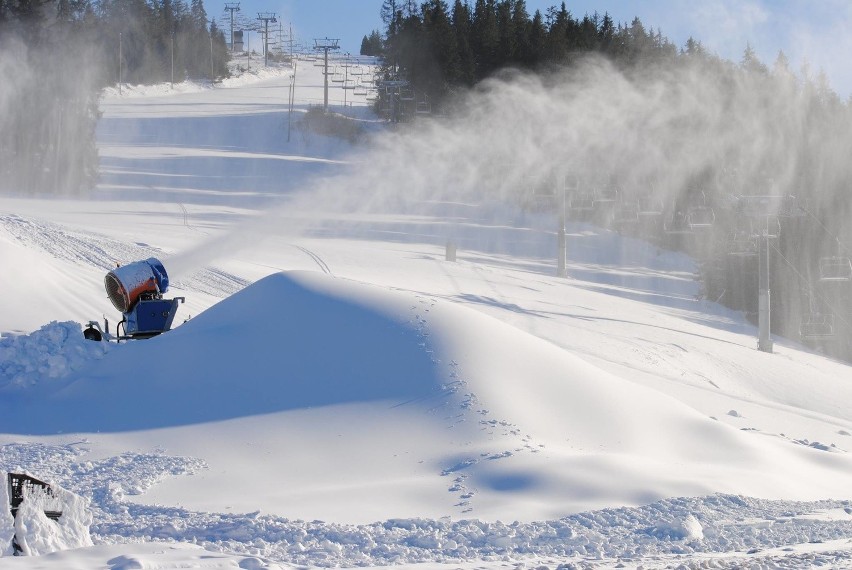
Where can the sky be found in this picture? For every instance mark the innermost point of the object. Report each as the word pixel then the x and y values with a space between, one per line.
pixel 815 34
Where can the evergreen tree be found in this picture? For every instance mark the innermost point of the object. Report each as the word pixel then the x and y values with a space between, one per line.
pixel 372 44
pixel 750 62
pixel 522 27
pixel 462 26
pixel 485 36
pixel 537 39
pixel 506 38
pixel 441 69
pixel 606 36
pixel 560 38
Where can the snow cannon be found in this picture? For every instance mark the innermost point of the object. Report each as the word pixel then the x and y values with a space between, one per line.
pixel 136 290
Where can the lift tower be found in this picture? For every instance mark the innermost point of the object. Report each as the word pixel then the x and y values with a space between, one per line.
pixel 324 45
pixel 232 7
pixel 266 18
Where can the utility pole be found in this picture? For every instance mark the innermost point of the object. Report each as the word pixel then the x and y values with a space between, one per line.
pixel 266 17
pixel 291 102
pixel 324 45
pixel 212 68
pixel 119 63
pixel 173 60
pixel 232 7
pixel 345 79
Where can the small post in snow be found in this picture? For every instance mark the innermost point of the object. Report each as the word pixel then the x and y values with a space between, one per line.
pixel 764 338
pixel 562 239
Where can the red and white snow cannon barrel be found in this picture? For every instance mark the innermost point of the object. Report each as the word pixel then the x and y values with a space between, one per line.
pixel 136 289
pixel 126 284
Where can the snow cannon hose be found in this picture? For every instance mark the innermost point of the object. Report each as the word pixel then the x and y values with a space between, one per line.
pixel 126 284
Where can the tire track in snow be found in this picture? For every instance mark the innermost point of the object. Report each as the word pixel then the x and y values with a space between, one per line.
pixel 74 246
pixel 102 252
pixel 317 259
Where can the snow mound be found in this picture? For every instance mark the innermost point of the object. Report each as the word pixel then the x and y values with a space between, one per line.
pixel 47 355
pixel 280 344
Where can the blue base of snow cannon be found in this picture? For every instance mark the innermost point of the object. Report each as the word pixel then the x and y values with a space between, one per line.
pixel 150 317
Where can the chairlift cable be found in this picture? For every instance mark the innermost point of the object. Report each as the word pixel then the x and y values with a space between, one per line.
pixel 825 229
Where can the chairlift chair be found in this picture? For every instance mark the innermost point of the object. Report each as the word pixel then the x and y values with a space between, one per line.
pixel 677 222
pixel 816 326
pixel 626 213
pixel 423 107
pixel 571 182
pixel 764 205
pixel 742 245
pixel 835 268
pixel 581 202
pixel 701 217
pixel 650 206
pixel 606 195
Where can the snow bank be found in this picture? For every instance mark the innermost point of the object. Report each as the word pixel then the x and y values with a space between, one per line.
pixel 238 78
pixel 49 354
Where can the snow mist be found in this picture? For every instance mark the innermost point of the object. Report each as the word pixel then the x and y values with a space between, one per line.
pixel 699 132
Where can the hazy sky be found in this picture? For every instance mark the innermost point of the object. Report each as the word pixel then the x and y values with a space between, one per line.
pixel 818 32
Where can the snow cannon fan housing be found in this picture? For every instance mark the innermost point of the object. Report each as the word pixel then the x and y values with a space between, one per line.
pixel 125 285
pixel 136 289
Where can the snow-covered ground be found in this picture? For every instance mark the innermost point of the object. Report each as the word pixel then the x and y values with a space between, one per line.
pixel 344 396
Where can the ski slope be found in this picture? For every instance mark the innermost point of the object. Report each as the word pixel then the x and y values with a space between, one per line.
pixel 344 396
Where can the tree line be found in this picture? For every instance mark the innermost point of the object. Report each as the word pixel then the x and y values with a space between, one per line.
pixel 439 48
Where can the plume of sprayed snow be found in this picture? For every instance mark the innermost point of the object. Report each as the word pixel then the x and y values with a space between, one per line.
pixel 12 70
pixel 698 128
